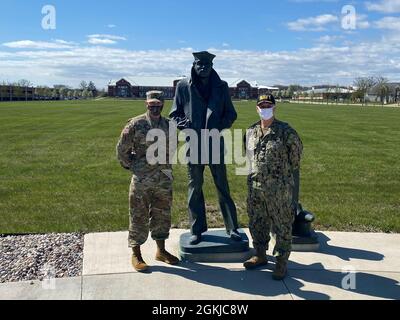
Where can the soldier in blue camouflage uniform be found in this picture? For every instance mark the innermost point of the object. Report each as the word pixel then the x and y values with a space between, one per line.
pixel 150 195
pixel 275 151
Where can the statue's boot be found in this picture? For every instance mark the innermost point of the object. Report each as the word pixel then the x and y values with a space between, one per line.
pixel 280 269
pixel 137 260
pixel 164 256
pixel 259 260
pixel 195 239
pixel 235 235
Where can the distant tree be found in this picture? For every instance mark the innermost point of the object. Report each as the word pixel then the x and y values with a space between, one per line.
pixel 4 87
pixel 85 94
pixel 63 91
pixel 47 92
pixel 291 90
pixel 24 83
pixel 90 94
pixel 37 93
pixel 18 92
pixel 305 94
pixel 337 93
pixel 55 94
pixel 83 85
pixel 92 87
pixel 382 85
pixel 70 94
pixel 363 86
pixel 77 94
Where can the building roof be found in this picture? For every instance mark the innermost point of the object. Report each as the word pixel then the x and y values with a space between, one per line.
pixel 254 84
pixel 330 90
pixel 393 86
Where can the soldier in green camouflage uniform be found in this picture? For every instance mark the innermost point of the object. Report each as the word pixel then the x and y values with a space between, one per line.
pixel 275 151
pixel 150 195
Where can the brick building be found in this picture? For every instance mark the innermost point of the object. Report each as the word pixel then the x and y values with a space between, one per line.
pixel 136 87
pixel 243 89
pixel 16 93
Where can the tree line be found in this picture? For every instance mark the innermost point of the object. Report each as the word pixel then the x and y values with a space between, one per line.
pixel 24 90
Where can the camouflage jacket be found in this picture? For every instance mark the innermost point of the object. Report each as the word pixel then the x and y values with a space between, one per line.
pixel 274 155
pixel 133 146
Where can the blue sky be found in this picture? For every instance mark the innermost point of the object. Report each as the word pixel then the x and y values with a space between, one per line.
pixel 274 42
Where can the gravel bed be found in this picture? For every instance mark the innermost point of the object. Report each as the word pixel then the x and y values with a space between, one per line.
pixel 39 257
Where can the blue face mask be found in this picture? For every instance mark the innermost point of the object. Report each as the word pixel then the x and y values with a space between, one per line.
pixel 266 114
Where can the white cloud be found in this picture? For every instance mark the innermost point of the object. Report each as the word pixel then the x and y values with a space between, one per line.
pixel 29 44
pixel 313 23
pixel 324 63
pixel 101 41
pixel 362 22
pixel 388 23
pixel 111 26
pixel 65 42
pixel 104 39
pixel 328 39
pixel 384 6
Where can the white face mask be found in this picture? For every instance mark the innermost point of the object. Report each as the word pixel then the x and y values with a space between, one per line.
pixel 266 114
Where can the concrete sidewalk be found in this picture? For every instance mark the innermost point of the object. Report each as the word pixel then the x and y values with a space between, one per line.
pixel 107 273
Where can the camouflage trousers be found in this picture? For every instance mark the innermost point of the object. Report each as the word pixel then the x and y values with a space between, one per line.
pixel 271 212
pixel 150 201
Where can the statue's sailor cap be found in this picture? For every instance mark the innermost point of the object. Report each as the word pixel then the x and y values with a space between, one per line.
pixel 204 56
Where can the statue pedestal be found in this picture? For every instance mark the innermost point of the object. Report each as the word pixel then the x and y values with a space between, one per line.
pixel 304 237
pixel 216 247
pixel 309 243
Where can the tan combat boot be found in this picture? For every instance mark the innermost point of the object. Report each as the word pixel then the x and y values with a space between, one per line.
pixel 280 269
pixel 137 260
pixel 163 255
pixel 259 260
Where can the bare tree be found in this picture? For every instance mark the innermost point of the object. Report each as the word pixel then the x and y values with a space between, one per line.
pixel 4 87
pixel 83 85
pixel 382 86
pixel 24 83
pixel 338 92
pixel 363 85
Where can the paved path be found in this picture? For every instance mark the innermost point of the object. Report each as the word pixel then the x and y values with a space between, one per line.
pixel 107 274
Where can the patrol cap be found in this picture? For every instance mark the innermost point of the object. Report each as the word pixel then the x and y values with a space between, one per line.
pixel 269 98
pixel 204 56
pixel 155 96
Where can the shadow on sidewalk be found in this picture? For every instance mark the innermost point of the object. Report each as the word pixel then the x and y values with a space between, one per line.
pixel 346 253
pixel 260 283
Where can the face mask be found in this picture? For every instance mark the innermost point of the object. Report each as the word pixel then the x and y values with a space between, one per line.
pixel 155 111
pixel 266 114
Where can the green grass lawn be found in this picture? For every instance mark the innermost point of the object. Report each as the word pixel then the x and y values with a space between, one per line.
pixel 58 171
